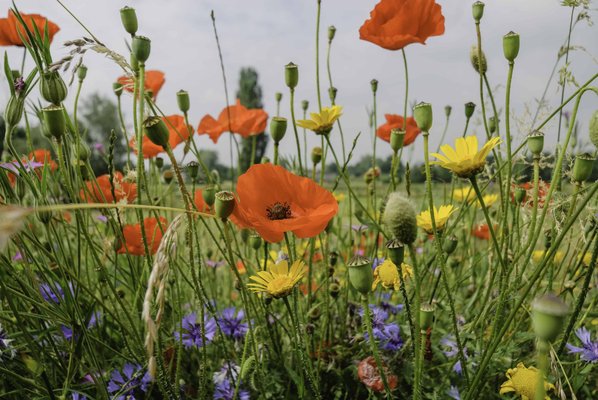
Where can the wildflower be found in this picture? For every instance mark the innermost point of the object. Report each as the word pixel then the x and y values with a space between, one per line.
pixel 453 392
pixel 133 239
pixel 178 133
pixel 489 200
pixel 128 384
pixel 465 160
pixel 441 216
pixel 231 323
pixel 214 264
pixel 379 316
pixel 589 349
pixel 481 231
pixel 54 293
pixel 394 24
pixel 153 82
pixel 100 191
pixel 538 256
pixel 43 157
pixel 388 307
pixel 321 123
pixel 234 119
pixel 389 337
pixel 102 218
pixel 68 332
pixel 524 381
pixel 225 389
pixel 7 351
pixel 10 28
pixel 586 259
pixel 387 274
pixel 339 197
pixel 464 194
pixel 278 280
pixel 451 350
pixel 543 188
pixel 369 374
pixel 359 228
pixel 290 203
pixel 394 121
pixel 191 335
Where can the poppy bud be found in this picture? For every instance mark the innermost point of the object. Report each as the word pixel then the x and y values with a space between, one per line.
pixel 278 97
pixel 305 106
pixel 477 10
pixel 374 84
pixel 423 116
pixel 447 110
pixel 84 152
pixel 314 313
pixel 141 47
pixel 193 168
pixel 156 131
pixel 291 75
pixel 399 217
pixel 159 162
pixel 278 128
pixel 265 160
pixel 14 110
pixel 510 46
pixel 128 16
pixel 331 33
pixel 52 87
pixel 332 258
pixel 492 123
pixel 208 194
pixel 520 195
pixel 81 72
pixel 256 241
pixel 334 289
pixel 360 274
pixel 316 155
pixel 117 88
pixel 548 315
pixel 450 244
pixel 224 204
pixel 332 91
pixel 426 316
pixel 182 99
pixel 54 121
pixel 535 143
pixel 469 109
pixel 396 251
pixel 397 137
pixel 593 128
pixel 168 176
pixel 582 167
pixel 475 62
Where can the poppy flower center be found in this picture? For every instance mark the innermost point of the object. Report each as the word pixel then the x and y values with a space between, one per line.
pixel 278 210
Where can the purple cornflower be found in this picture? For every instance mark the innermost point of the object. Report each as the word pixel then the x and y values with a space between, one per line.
pixel 18 256
pixel 78 396
pixel 589 351
pixel 67 332
pixel 223 379
pixel 214 264
pixel 6 349
pixel 191 335
pixel 123 386
pixel 102 218
pixel 389 337
pixel 389 307
pixel 454 393
pixel 13 166
pixel 53 293
pixel 231 323
pixel 379 316
pixel 452 350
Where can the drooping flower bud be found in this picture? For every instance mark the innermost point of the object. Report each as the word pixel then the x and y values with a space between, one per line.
pixel 426 316
pixel 331 33
pixel 156 131
pixel 128 16
pixel 278 128
pixel 117 88
pixel 374 85
pixel 333 258
pixel 52 87
pixel 593 128
pixel 291 75
pixel 224 204
pixel 316 155
pixel 469 109
pixel 475 62
pixel 256 241
pixel 81 72
pixel 510 46
pixel 396 251
pixel 423 116
pixel 278 96
pixel 141 48
pixel 535 143
pixel 477 10
pixel 520 195
pixel 397 138
pixel 304 105
pixel 447 110
pixel 548 316
pixel 54 120
pixel 582 168
pixel 450 244
pixel 168 176
pixel 182 99
pixel 193 169
pixel 361 275
pixel 209 195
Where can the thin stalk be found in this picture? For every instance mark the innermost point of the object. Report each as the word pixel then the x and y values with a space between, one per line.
pixel 296 133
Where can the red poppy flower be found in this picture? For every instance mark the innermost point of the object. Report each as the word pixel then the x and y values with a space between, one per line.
pixel 481 231
pixel 246 122
pixel 394 121
pixel 178 132
pixel 153 227
pixel 369 375
pixel 100 191
pixel 199 202
pixel 543 188
pixel 153 82
pixel 273 201
pixel 11 27
pixel 43 156
pixel 394 24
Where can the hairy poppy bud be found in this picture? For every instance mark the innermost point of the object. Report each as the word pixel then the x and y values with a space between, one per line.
pixel 224 204
pixel 156 131
pixel 399 217
pixel 423 116
pixel 397 137
pixel 316 155
pixel 535 143
pixel 278 128
pixel 278 96
pixel 520 195
pixel 193 168
pixel 332 91
pixel 159 162
pixel 510 46
pixel 331 33
pixel 305 105
pixel 477 9
pixel 168 176
pixel 208 194
pixel 594 128
pixel 142 48
pixel 426 316
pixel 54 120
pixel 128 16
pixel 81 72
pixel 360 274
pixel 475 62
pixel 182 99
pixel 582 168
pixel 396 251
pixel 52 87
pixel 256 241
pixel 117 88
pixel 291 75
pixel 469 109
pixel 450 244
pixel 374 85
pixel 548 315
pixel 447 110
pixel 14 110
pixel 492 124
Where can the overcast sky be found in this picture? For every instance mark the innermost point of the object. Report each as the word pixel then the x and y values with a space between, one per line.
pixel 267 34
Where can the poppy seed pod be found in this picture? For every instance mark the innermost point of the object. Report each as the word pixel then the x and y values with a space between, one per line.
pixel 332 91
pixel 156 131
pixel 141 48
pixel 256 241
pixel 304 105
pixel 224 204
pixel 360 274
pixel 117 88
pixel 399 217
pixel 168 176
pixel 423 116
pixel 520 195
pixel 477 10
pixel 54 120
pixel 426 316
pixel 396 251
pixel 593 128
pixel 278 97
pixel 159 162
pixel 182 99
pixel 582 168
pixel 209 195
pixel 14 110
pixel 278 128
pixel 128 16
pixel 374 85
pixel 193 169
pixel 331 32
pixel 548 316
pixel 535 143
pixel 469 109
pixel 52 87
pixel 316 155
pixel 475 62
pixel 447 110
pixel 397 138
pixel 81 72
pixel 510 46
pixel 450 244
pixel 291 75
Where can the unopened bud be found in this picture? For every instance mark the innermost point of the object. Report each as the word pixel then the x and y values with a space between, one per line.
pixel 331 33
pixel 278 128
pixel 182 99
pixel 510 46
pixel 423 116
pixel 81 72
pixel 128 16
pixel 141 48
pixel 469 109
pixel 476 62
pixel 291 75
pixel 156 131
pixel 316 155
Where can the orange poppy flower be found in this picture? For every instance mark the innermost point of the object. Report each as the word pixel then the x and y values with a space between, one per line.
pixel 369 375
pixel 199 202
pixel 11 27
pixel 154 229
pixel 154 80
pixel 43 156
pixel 394 24
pixel 528 200
pixel 100 192
pixel 178 132
pixel 246 122
pixel 481 231
pixel 394 121
pixel 272 201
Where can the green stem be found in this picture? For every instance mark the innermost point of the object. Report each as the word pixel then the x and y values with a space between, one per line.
pixel 295 131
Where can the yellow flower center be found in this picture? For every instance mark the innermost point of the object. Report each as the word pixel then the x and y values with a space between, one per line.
pixel 280 286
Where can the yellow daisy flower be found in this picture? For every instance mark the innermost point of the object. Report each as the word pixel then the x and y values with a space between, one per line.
pixel 463 194
pixel 441 216
pixel 387 274
pixel 278 280
pixel 489 200
pixel 465 160
pixel 321 123
pixel 586 259
pixel 538 256
pixel 524 381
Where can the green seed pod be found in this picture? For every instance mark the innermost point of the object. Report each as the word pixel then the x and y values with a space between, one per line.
pixel 399 217
pixel 117 88
pixel 520 195
pixel 141 48
pixel 469 109
pixel 209 195
pixel 450 244
pixel 193 169
pixel 305 105
pixel 360 274
pixel 423 116
pixel 492 124
pixel 224 204
pixel 331 33
pixel 54 120
pixel 156 131
pixel 473 57
pixel 582 167
pixel 316 155
pixel 291 75
pixel 168 176
pixel 278 128
pixel 182 99
pixel 397 137
pixel 256 241
pixel 510 46
pixel 477 10
pixel 396 251
pixel 128 16
pixel 548 316
pixel 14 110
pixel 374 85
pixel 159 162
pixel 332 91
pixel 535 143
pixel 426 316
pixel 81 72
pixel 52 87
pixel 278 96
pixel 593 128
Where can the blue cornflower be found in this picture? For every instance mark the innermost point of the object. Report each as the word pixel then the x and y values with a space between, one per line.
pixel 379 316
pixel 78 396
pixel 223 379
pixel 231 323
pixel 589 351
pixel 6 349
pixel 132 380
pixel 451 350
pixel 67 332
pixel 191 334
pixel 377 261
pixel 54 293
pixel 389 337
pixel 454 393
